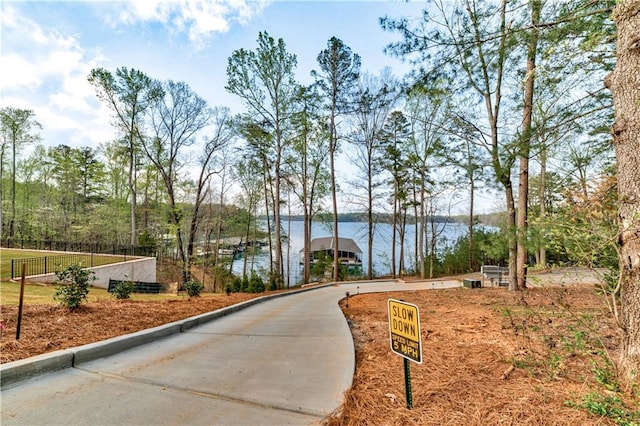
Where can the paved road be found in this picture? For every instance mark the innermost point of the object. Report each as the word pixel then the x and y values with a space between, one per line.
pixel 284 361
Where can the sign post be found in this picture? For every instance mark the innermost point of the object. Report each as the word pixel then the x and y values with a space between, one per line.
pixel 405 338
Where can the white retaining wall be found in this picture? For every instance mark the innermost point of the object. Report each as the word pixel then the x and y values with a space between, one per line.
pixel 141 269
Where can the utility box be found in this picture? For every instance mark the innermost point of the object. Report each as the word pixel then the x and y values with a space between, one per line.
pixel 470 283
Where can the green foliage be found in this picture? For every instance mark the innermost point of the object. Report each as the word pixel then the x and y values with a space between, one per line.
pixel 489 247
pixel 122 290
pixel 147 244
pixel 322 266
pixel 193 288
pixel 273 281
pixel 244 285
pixel 72 286
pixel 256 285
pixel 609 406
pixel 236 286
pixel 605 375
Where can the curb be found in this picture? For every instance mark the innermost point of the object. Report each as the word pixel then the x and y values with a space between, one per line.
pixel 12 373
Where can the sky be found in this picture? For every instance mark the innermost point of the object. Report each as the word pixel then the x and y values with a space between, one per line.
pixel 48 48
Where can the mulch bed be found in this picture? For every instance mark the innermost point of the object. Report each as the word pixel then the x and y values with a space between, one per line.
pixel 488 358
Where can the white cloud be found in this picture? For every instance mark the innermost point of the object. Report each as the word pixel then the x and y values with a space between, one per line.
pixel 17 71
pixel 199 18
pixel 45 69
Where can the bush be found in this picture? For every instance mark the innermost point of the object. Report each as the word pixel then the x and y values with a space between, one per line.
pixel 72 286
pixel 236 287
pixel 256 285
pixel 193 288
pixel 245 283
pixel 122 290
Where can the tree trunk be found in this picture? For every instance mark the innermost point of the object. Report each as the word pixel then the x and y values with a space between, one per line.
pixel 423 225
pixel 370 227
pixel 332 152
pixel 472 192
pixel 13 190
pixel 624 83
pixel 308 221
pixel 542 249
pixel 512 236
pixel 277 265
pixel 394 230
pixel 525 148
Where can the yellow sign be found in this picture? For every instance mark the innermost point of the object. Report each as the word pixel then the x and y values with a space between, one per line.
pixel 404 330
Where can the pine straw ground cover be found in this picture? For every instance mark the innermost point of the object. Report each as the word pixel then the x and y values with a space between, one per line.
pixel 490 358
pixel 47 328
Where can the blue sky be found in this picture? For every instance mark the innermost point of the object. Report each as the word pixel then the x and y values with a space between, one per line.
pixel 49 47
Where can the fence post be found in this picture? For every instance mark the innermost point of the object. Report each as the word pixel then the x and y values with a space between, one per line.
pixel 45 264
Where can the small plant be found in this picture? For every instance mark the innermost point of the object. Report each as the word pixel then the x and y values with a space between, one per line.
pixel 256 285
pixel 607 406
pixel 605 375
pixel 72 286
pixel 193 288
pixel 554 365
pixel 122 290
pixel 236 286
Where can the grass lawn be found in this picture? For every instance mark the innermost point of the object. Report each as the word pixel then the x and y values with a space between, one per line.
pixel 7 255
pixel 42 294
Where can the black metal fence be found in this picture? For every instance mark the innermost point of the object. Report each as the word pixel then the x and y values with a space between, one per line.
pixel 79 246
pixel 53 264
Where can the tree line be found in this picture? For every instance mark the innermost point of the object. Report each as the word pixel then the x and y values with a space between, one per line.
pixel 507 95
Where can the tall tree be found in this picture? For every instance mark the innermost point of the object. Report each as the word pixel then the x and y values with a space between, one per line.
pixel 475 41
pixel 129 93
pixel 17 128
pixel 265 81
pixel 524 145
pixel 176 119
pixel 624 83
pixel 396 133
pixel 306 162
pixel 339 71
pixel 374 100
pixel 426 109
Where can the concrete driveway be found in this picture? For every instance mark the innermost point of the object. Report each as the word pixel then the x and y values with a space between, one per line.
pixel 287 360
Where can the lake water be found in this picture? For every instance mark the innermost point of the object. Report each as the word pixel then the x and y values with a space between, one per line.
pixel 358 232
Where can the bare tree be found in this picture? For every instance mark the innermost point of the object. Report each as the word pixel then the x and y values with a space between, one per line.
pixel 374 100
pixel 175 120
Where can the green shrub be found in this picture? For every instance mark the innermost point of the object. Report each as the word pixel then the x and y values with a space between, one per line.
pixel 72 286
pixel 256 285
pixel 193 288
pixel 245 283
pixel 236 287
pixel 122 290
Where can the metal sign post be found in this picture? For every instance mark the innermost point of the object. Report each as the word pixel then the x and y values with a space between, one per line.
pixel 21 302
pixel 405 338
